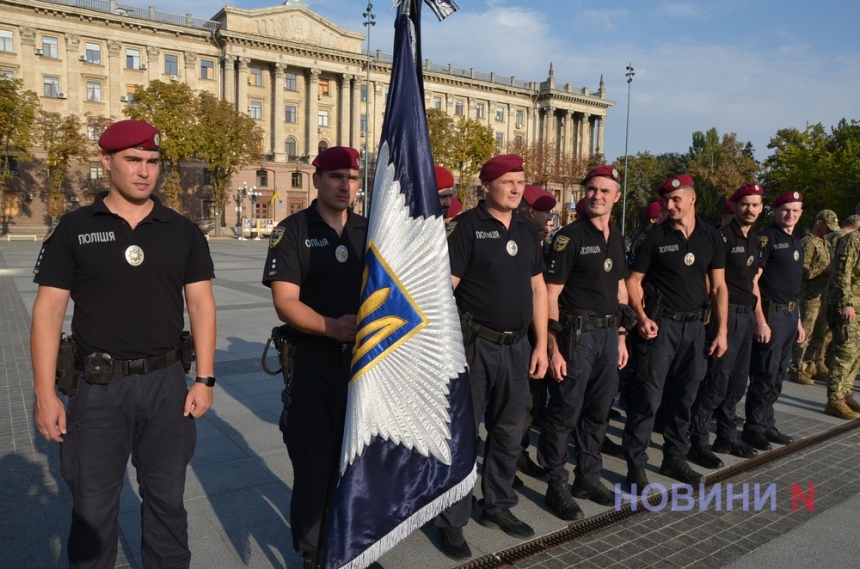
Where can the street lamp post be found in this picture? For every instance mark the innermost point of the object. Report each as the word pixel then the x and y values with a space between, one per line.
pixel 369 22
pixel 255 195
pixel 629 76
pixel 241 194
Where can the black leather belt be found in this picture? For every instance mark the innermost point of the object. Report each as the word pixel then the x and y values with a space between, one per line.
pixel 592 321
pixel 323 355
pixel 745 308
pixel 788 307
pixel 681 316
pixel 503 338
pixel 145 365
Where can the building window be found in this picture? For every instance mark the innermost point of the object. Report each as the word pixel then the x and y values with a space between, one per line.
pixel 6 41
pixel 479 110
pixel 94 129
pixel 256 110
pixel 129 93
pixel 50 47
pixel 207 69
pixel 296 206
pixel 290 148
pixel 458 108
pixel 256 78
pixel 51 86
pixel 94 53
pixel 323 145
pixel 363 93
pixel 363 125
pixel 262 178
pixel 324 88
pixel 500 139
pixel 500 113
pixel 132 59
pixel 94 91
pixel 207 177
pixel 437 103
pixel 7 74
pixel 96 171
pixel 171 65
pixel 296 180
pixel 518 141
pixel 323 118
pixel 290 82
pixel 290 113
pixel 520 116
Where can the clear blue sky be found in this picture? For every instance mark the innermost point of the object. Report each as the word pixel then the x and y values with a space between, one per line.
pixel 744 66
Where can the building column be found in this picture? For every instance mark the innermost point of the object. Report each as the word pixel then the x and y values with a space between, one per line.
pixel 344 111
pixel 278 112
pixel 153 69
pixel 114 69
pixel 355 139
pixel 189 70
pixel 588 137
pixel 491 114
pixel 551 130
pixel 229 87
pixel 242 102
pixel 600 125
pixel 312 114
pixel 76 90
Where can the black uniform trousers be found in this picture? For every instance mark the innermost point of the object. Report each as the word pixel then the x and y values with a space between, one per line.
pixel 310 428
pixel 581 404
pixel 498 375
pixel 725 381
pixel 536 404
pixel 141 416
pixel 670 368
pixel 769 366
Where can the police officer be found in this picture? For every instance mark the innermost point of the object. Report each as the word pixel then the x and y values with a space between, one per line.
pixel 843 298
pixel 726 379
pixel 585 284
pixel 314 269
pixel 676 262
pixel 536 206
pixel 131 397
pixel 778 327
pixel 497 273
pixel 651 216
pixel 445 186
pixel 817 258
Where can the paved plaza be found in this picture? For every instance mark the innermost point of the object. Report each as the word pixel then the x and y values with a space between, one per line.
pixel 239 481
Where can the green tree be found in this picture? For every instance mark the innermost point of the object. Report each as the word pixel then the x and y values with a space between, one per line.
pixel 19 113
pixel 170 107
pixel 63 140
pixel 229 141
pixel 472 145
pixel 440 128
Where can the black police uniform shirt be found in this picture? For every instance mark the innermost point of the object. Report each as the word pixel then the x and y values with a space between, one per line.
pixel 495 266
pixel 588 266
pixel 306 251
pixel 742 262
pixel 677 266
pixel 126 284
pixel 782 265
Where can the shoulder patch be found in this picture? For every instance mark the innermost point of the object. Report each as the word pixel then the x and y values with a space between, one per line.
pixel 762 239
pixel 51 231
pixel 560 243
pixel 450 228
pixel 276 236
pixel 725 239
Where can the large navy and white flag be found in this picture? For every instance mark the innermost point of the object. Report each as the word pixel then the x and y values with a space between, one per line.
pixel 409 443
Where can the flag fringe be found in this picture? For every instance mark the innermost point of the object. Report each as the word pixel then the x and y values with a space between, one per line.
pixel 414 522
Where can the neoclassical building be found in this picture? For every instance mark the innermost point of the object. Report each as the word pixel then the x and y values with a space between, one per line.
pixel 304 79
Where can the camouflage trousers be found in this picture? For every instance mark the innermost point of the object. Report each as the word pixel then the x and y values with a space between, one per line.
pixel 813 316
pixel 846 360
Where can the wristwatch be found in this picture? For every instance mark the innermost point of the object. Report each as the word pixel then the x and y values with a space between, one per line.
pixel 208 381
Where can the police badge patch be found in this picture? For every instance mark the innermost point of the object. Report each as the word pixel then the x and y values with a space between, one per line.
pixel 450 229
pixel 797 255
pixel 560 243
pixel 276 236
pixel 51 231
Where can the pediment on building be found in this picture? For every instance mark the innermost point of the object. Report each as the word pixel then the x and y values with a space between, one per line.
pixel 294 23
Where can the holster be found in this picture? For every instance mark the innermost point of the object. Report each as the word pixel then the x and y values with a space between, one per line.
pixel 708 308
pixel 286 352
pixel 653 300
pixel 568 340
pixel 67 377
pixel 186 350
pixel 98 369
pixel 470 333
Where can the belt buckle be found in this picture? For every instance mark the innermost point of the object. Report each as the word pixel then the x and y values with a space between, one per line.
pixel 507 338
pixel 137 367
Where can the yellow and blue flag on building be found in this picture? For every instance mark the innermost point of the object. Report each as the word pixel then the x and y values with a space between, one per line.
pixel 409 443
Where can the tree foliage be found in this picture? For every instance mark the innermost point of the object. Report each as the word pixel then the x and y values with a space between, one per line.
pixel 719 166
pixel 461 146
pixel 63 140
pixel 229 141
pixel 19 113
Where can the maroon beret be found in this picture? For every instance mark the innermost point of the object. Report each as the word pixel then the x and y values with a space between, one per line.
pixel 653 210
pixel 337 158
pixel 787 197
pixel 455 207
pixel 605 171
pixel 539 198
pixel 444 178
pixel 581 208
pixel 130 134
pixel 747 190
pixel 500 165
pixel 728 208
pixel 676 183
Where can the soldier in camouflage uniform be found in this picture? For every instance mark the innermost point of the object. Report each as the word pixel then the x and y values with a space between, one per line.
pixel 843 295
pixel 817 255
pixel 848 225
